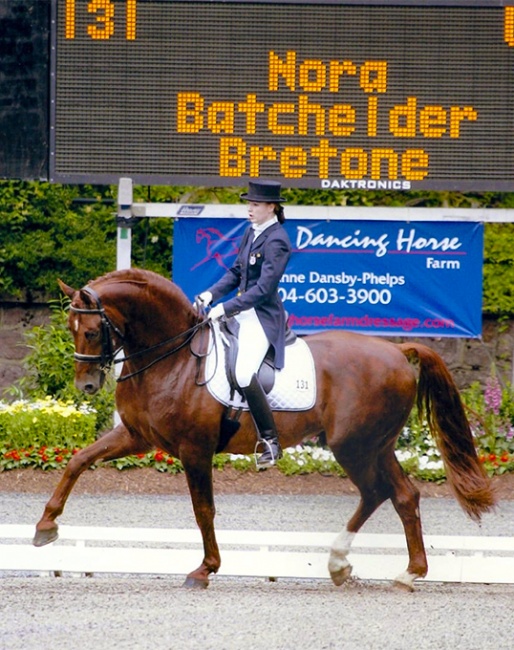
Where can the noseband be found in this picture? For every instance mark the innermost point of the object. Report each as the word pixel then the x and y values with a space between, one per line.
pixel 106 357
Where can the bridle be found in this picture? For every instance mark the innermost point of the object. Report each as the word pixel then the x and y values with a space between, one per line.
pixel 107 356
pixel 108 328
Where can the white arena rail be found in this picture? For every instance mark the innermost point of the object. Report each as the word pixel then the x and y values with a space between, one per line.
pixel 268 554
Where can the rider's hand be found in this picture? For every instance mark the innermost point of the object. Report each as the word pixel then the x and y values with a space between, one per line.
pixel 205 298
pixel 218 311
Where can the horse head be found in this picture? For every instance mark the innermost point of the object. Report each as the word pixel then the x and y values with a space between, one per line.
pixel 136 310
pixel 96 337
pixel 201 233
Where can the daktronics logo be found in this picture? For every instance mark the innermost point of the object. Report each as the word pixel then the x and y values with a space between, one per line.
pixel 345 184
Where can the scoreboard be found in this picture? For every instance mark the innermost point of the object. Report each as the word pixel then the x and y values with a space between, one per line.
pixel 336 95
pixel 351 95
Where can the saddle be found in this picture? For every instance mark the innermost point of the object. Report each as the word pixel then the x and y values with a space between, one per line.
pixel 229 329
pixel 292 388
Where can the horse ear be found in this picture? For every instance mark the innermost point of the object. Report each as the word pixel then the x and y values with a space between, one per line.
pixel 65 288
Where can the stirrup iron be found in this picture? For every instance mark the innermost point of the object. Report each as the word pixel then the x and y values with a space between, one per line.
pixel 268 447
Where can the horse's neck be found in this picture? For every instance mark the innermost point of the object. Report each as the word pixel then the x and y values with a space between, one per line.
pixel 152 317
pixel 155 325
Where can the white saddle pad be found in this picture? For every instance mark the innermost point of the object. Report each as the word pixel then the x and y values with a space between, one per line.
pixel 295 384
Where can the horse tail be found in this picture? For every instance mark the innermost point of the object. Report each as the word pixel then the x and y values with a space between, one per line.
pixel 438 397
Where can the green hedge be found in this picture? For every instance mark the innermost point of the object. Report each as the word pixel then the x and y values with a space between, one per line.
pixel 69 231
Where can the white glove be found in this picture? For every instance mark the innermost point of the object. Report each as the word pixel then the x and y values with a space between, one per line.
pixel 218 311
pixel 205 297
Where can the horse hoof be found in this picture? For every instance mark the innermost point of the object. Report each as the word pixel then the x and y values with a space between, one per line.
pixel 43 537
pixel 195 583
pixel 405 582
pixel 338 577
pixel 402 586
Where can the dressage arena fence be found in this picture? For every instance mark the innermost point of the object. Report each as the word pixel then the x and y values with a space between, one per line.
pixel 268 554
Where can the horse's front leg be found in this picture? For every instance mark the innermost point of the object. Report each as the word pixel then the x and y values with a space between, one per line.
pixel 199 479
pixel 115 444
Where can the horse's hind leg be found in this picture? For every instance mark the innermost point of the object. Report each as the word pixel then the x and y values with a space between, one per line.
pixel 115 444
pixel 405 499
pixel 339 567
pixel 376 486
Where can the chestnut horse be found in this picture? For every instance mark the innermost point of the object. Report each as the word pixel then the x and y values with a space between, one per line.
pixel 366 388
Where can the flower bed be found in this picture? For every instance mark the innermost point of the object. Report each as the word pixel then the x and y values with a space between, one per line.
pixel 46 433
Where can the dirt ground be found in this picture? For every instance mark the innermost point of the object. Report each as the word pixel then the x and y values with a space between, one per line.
pixel 149 481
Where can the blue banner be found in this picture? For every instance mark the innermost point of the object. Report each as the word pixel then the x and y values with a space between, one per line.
pixel 387 278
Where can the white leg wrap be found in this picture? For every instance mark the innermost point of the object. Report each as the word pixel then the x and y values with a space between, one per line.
pixel 338 566
pixel 406 580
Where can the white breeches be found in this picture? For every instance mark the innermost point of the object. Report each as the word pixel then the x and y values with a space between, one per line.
pixel 253 345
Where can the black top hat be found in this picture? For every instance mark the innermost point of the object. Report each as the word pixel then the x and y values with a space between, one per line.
pixel 263 192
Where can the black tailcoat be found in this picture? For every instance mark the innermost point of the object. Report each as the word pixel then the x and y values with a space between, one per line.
pixel 256 274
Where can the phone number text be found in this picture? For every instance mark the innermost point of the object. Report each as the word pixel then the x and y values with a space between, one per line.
pixel 323 295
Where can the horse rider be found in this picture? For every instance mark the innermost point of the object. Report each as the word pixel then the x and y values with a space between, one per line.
pixel 262 258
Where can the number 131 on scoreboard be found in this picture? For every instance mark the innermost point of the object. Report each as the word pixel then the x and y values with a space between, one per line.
pixel 103 19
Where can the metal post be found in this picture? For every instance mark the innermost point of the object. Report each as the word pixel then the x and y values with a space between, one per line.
pixel 124 221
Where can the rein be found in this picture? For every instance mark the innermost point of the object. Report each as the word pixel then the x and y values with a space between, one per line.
pixel 189 334
pixel 107 356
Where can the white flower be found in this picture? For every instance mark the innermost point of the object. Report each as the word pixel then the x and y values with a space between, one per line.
pixel 404 454
pixel 239 457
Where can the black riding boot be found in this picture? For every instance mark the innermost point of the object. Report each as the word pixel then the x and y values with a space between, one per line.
pixel 264 423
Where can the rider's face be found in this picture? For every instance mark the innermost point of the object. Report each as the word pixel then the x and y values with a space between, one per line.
pixel 259 212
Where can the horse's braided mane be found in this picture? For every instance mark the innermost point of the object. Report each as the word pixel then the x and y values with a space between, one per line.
pixel 125 275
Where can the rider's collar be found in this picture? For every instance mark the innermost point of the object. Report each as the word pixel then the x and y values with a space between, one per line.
pixel 259 229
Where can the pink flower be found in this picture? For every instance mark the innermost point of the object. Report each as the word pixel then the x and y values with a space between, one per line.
pixel 493 395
